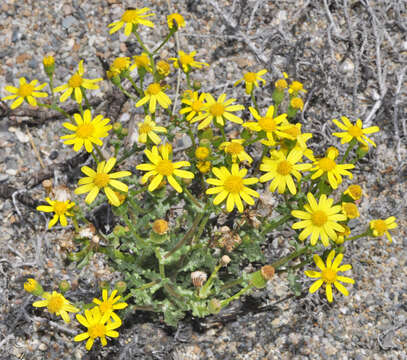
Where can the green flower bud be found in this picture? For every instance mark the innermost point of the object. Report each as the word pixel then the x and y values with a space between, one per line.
pixel 64 286
pixel 121 287
pixel 214 306
pixel 33 287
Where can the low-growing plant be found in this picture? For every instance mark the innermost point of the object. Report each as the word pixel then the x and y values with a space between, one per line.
pixel 172 250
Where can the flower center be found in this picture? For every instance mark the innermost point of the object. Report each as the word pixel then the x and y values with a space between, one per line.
pixel 233 184
pixel 197 106
pixel 267 124
pixel 25 90
pixel 165 168
pixel 55 303
pixel 186 59
pixel 380 226
pixel 85 131
pixel 250 77
pixel 130 16
pixel 101 180
pixel 217 109
pixel 326 164
pixel 145 129
pixel 97 330
pixel 153 89
pixel 234 148
pixel 329 275
pixel 284 167
pixel 319 218
pixel 355 131
pixel 121 63
pixel 59 208
pixel 75 81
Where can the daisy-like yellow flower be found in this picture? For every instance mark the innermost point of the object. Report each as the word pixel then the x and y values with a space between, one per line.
pixel 218 110
pixel 204 166
pixel 176 18
pixel 98 327
pixel 281 168
pixel 119 65
pixel 26 91
pixel 297 103
pixel 56 304
pixel 231 185
pixel 60 208
pixel 285 147
pixel 148 129
pixel 101 179
pixel 381 227
pixel 130 20
pixel 293 132
pixel 334 171
pixel 86 131
pixel 110 304
pixel 269 124
pixel 154 94
pixel 33 287
pixel 281 84
pixel 195 105
pixel 320 220
pixel 329 275
pixel 252 79
pixel 295 88
pixel 186 61
pixel 76 85
pixel 236 150
pixel 350 210
pixel 342 235
pixel 163 68
pixel 354 191
pixel 354 131
pixel 202 152
pixel 141 61
pixel 162 167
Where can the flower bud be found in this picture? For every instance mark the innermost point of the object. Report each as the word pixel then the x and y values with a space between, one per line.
pixel 198 278
pixel 160 226
pixel 225 260
pixel 214 306
pixel 64 286
pixel 121 287
pixel 259 278
pixel 49 65
pixel 202 152
pixel 47 185
pixel 267 271
pixel 33 287
pixel 117 127
pixel 197 85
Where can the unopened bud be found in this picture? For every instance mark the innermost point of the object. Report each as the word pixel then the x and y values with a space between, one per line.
pixel 160 226
pixel 267 271
pixel 198 278
pixel 33 287
pixel 117 127
pixel 121 287
pixel 214 306
pixel 47 185
pixel 64 286
pixel 225 260
pixel 124 132
pixel 197 85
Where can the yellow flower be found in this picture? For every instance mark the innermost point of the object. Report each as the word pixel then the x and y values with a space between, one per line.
pixel 252 78
pixel 231 185
pixel 26 91
pixel 319 220
pixel 296 87
pixel 342 235
pixel 202 152
pixel 119 65
pixel 334 171
pixel 381 227
pixel 98 327
pixel 154 94
pixel 101 179
pixel 329 275
pixel 236 150
pixel 148 129
pixel 354 131
pixel 162 167
pixel 350 210
pixel 177 19
pixel 334 150
pixel 186 61
pixel 269 124
pixel 76 84
pixel 130 20
pixel 354 191
pixel 60 208
pixel 297 103
pixel 108 305
pixel 48 61
pixel 32 286
pixel 195 105
pixel 86 131
pixel 141 61
pixel 163 68
pixel 281 169
pixel 56 304
pixel 281 84
pixel 286 147
pixel 293 132
pixel 203 166
pixel 160 226
pixel 219 110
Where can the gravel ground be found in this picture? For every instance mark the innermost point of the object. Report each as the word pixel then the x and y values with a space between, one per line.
pixel 351 56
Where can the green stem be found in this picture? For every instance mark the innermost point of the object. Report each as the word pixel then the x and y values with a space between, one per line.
pixel 172 32
pixel 231 284
pixel 225 302
pixel 57 108
pixel 101 157
pixel 139 90
pixel 290 257
pixel 254 100
pixel 192 197
pixel 350 147
pixel 94 157
pixel 86 100
pixel 273 225
pixel 128 154
pixel 160 264
pixel 188 80
pixel 204 291
pixel 125 92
